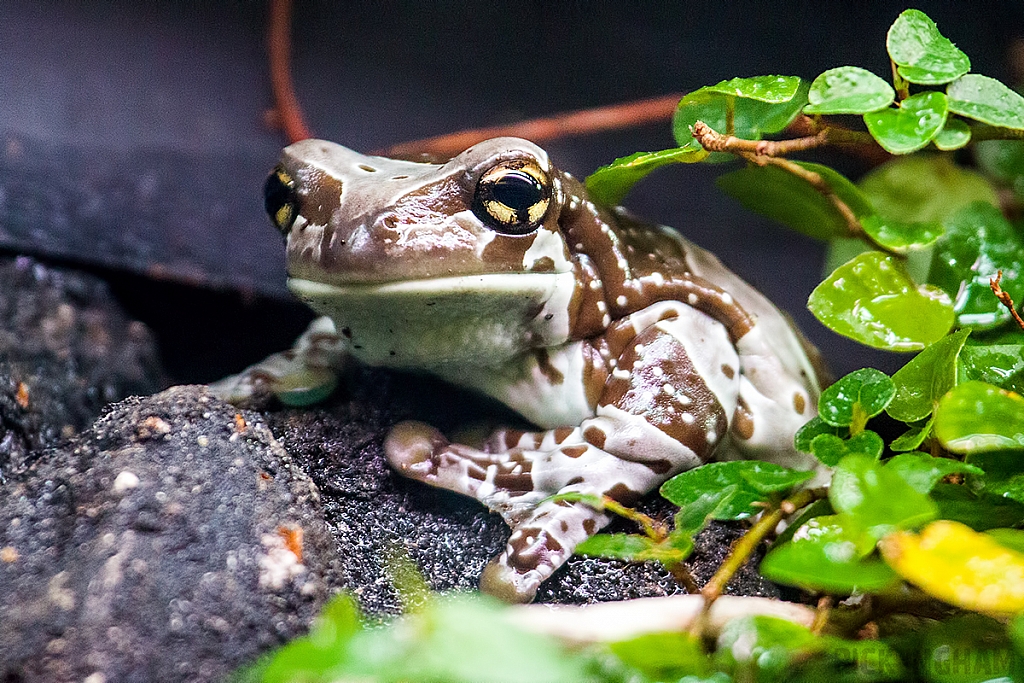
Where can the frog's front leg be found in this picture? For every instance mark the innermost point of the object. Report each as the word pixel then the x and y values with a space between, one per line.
pixel 304 374
pixel 669 392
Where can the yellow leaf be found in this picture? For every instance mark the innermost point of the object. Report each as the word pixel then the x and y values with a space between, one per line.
pixel 952 562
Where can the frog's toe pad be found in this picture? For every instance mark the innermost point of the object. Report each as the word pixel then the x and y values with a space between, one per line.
pixel 412 447
pixel 507 584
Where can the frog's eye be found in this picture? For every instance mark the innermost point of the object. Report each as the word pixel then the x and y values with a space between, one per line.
pixel 512 197
pixel 280 199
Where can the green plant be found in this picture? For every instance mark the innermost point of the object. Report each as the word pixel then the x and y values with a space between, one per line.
pixel 922 532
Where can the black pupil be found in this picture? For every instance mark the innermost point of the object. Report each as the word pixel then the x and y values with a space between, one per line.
pixel 518 191
pixel 276 194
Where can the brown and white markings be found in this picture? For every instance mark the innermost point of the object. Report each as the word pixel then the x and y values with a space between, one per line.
pixel 637 353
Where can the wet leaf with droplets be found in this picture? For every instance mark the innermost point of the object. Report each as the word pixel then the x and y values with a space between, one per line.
pixel 826 554
pixel 925 379
pixel 848 90
pixel 872 299
pixel 752 118
pixel 910 126
pixel 867 391
pixel 987 100
pixel 978 243
pixel 954 135
pixel 976 417
pixel 924 55
pixel 772 89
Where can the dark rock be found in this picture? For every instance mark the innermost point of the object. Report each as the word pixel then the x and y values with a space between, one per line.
pixel 66 350
pixel 159 545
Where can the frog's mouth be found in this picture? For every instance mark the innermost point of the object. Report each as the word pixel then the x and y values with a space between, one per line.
pixel 439 324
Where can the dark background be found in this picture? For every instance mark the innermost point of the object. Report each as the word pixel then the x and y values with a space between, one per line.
pixel 134 140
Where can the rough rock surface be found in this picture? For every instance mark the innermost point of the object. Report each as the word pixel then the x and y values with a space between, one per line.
pixel 66 350
pixel 172 541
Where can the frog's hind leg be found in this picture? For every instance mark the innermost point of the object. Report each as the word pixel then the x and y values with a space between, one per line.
pixel 517 483
pixel 304 374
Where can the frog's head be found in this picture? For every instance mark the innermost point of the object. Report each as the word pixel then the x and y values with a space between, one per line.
pixel 471 243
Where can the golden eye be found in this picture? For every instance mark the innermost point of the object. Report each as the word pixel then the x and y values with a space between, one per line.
pixel 280 199
pixel 512 197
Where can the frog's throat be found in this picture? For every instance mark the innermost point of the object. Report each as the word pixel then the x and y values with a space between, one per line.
pixel 443 324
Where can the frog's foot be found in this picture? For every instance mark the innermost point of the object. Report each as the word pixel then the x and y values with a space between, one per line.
pixel 502 481
pixel 305 374
pixel 538 546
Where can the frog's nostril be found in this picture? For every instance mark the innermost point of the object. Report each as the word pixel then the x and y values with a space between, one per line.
pixel 280 199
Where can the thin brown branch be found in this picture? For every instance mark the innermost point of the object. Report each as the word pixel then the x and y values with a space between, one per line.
pixel 580 122
pixel 279 50
pixel 1005 299
pixel 713 141
pixel 716 142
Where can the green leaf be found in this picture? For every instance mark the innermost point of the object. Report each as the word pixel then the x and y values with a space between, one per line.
pixel 923 54
pixel 848 90
pixel 755 481
pixel 867 390
pixel 634 548
pixel 772 89
pixel 831 449
pixel 926 378
pixel 1004 474
pixel 874 661
pixel 815 426
pixel 322 650
pixel 978 242
pixel 757 648
pixel 752 118
pixel 924 188
pixel 694 516
pixel 460 639
pixel 987 100
pixel 877 499
pixel 1008 538
pixel 792 201
pixel 975 417
pixel 872 299
pixel 664 656
pixel 912 125
pixel 826 555
pixel 1003 160
pixel 968 648
pixel 954 135
pixel 978 511
pixel 610 184
pixel 922 472
pixel 999 364
pixel 901 237
pixel 913 437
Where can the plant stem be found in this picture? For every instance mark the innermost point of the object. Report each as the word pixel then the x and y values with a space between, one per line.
pixel 745 546
pixel 1005 299
pixel 761 152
